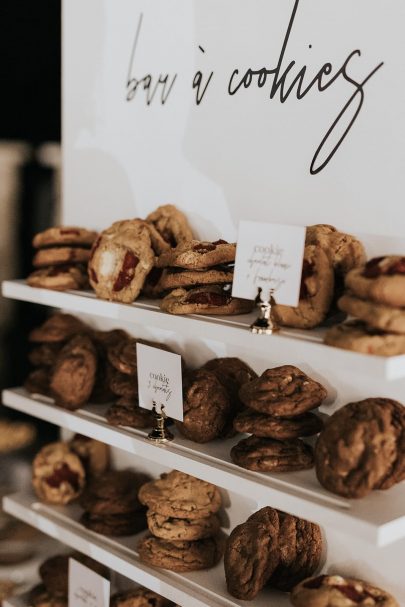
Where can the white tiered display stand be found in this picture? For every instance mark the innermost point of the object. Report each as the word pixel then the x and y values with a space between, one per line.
pixel 231 157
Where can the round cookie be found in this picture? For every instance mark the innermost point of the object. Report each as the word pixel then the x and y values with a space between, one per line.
pixel 179 495
pixel 123 384
pixel 361 448
pixel 205 300
pixel 94 455
pixel 379 316
pixel 206 407
pixel 382 280
pixel 40 597
pixel 72 277
pixel 181 556
pixel 316 292
pixel 345 251
pixel 56 329
pixel 122 354
pixel 60 256
pixel 170 528
pixel 300 550
pixel 175 278
pixel 126 412
pixel 44 355
pixel 269 455
pixel 139 597
pixel 64 235
pixel 74 373
pixel 114 492
pixel 357 336
pixel 337 591
pixel 58 474
pixel 198 255
pixel 121 258
pixel 251 554
pixel 262 425
pixel 284 391
pixel 171 224
pixel 115 525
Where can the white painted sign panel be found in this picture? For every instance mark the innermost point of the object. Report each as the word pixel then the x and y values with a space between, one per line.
pixel 86 587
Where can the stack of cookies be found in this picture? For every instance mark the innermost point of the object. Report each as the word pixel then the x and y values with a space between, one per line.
pixel 183 524
pixel 111 503
pixel 61 258
pixel 271 548
pixel 362 448
pixel 198 275
pixel 54 573
pixel 376 299
pixel 278 413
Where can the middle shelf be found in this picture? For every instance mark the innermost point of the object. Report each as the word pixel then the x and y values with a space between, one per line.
pixel 379 518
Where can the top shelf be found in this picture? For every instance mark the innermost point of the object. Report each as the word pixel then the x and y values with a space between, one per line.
pixel 232 330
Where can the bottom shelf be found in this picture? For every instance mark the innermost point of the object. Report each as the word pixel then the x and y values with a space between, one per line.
pixel 196 589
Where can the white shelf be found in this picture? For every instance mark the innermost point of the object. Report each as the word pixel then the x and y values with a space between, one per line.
pixel 379 518
pixel 232 330
pixel 196 589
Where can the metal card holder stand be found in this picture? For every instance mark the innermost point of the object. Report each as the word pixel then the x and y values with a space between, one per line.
pixel 265 323
pixel 160 434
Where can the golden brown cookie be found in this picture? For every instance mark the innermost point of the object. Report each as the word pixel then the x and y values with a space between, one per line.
pixel 65 277
pixel 60 256
pixel 171 528
pixel 139 597
pixel 198 255
pixel 175 278
pixel 58 474
pixel 379 316
pixel 269 455
pixel 121 258
pixel 94 455
pixel 181 556
pixel 337 591
pixel 57 328
pixel 357 336
pixel 316 293
pixel 182 496
pixel 382 280
pixel 345 251
pixel 205 300
pixel 171 224
pixel 284 391
pixel 64 235
pixel 206 407
pixel 280 428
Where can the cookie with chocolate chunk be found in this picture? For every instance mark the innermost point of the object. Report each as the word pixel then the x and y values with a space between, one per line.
pixel 127 412
pixel 121 258
pixel 382 280
pixel 64 235
pixel 345 251
pixel 69 276
pixel 58 475
pixel 171 224
pixel 59 256
pixel 171 528
pixel 198 255
pixel 316 292
pixel 358 336
pixel 337 591
pixel 206 407
pixel 251 554
pixel 57 328
pixel 205 300
pixel 139 597
pixel 280 428
pixel 284 391
pixel 181 556
pixel 379 316
pixel 174 278
pixel 270 455
pixel 74 374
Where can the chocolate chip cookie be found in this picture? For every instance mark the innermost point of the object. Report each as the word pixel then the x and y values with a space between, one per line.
pixel 179 495
pixel 123 384
pixel 205 300
pixel 357 336
pixel 362 448
pixel 316 292
pixel 206 407
pixel 181 556
pixel 198 255
pixel 66 277
pixel 127 412
pixel 280 428
pixel 57 328
pixel 40 597
pixel 121 258
pixel 74 374
pixel 337 591
pixel 60 256
pixel 44 355
pixel 175 278
pixel 139 597
pixel 54 571
pixel 269 455
pixel 171 224
pixel 115 525
pixel 251 554
pixel 113 492
pixel 64 235
pixel 382 280
pixel 379 316
pixel 284 391
pixel 58 476
pixel 94 455
pixel 170 528
pixel 345 251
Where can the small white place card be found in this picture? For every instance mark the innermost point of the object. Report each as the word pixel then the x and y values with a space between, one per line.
pixel 269 256
pixel 86 587
pixel 160 380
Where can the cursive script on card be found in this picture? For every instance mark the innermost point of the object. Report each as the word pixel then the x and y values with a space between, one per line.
pixel 85 597
pixel 159 383
pixel 267 266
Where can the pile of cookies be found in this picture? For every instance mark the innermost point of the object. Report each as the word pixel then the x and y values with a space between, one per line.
pixel 183 523
pixel 271 548
pixel 278 413
pixel 362 448
pixel 60 470
pixel 376 299
pixel 54 573
pixel 61 258
pixel 111 505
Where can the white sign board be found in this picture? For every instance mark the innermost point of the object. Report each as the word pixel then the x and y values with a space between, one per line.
pixel 160 380
pixel 87 588
pixel 269 257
